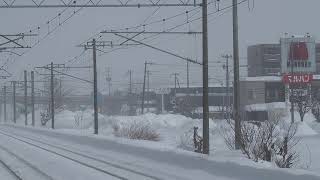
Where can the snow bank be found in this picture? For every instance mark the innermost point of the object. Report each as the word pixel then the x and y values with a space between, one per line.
pixel 157 121
pixel 305 130
pixel 65 119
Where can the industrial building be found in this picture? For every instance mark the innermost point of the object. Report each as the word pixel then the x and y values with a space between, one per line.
pixel 277 70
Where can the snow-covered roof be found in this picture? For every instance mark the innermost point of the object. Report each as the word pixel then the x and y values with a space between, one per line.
pixel 263 79
pixel 316 76
pixel 211 109
pixel 197 85
pixel 265 106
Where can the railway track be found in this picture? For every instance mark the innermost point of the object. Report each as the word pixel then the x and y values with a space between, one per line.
pixel 19 168
pixel 11 173
pixel 108 168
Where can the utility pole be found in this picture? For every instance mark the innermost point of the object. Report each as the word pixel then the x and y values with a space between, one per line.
pixel 188 82
pixel 95 88
pixel 175 82
pixel 25 99
pixel 148 90
pixel 291 86
pixel 52 97
pixel 130 81
pixel 236 81
pixel 108 78
pixel 14 102
pixel 205 80
pixel 226 67
pixel 60 87
pixel 93 45
pixel 5 103
pixel 32 98
pixel 144 86
pixel 130 94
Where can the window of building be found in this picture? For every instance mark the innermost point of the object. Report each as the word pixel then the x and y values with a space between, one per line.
pixel 272 50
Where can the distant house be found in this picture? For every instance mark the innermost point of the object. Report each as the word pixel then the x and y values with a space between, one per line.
pixel 256 92
pixel 219 98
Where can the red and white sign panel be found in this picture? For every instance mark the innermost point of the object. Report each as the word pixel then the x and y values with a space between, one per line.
pixel 298 54
pixel 297 78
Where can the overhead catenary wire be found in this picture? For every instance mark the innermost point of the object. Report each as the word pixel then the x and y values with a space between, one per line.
pixel 182 24
pixel 146 38
pixel 158 21
pixel 50 31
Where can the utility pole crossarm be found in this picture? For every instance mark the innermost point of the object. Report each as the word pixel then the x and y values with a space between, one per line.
pixel 152 32
pixel 158 49
pixel 65 74
pixel 11 41
pixel 93 4
pixel 111 45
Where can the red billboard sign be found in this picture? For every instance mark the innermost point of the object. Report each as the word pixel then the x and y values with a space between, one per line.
pixel 297 78
pixel 298 51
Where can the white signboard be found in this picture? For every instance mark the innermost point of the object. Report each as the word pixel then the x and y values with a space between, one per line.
pixel 298 53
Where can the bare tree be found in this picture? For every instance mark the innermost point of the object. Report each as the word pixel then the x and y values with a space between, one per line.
pixel 136 130
pixel 271 140
pixel 301 99
pixel 60 93
pixel 316 110
pixel 316 105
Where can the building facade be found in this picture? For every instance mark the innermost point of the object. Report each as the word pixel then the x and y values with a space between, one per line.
pixel 265 60
pixel 277 73
pixel 220 99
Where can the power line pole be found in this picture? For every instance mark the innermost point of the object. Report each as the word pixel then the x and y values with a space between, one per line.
pixel 175 82
pixel 14 102
pixel 25 99
pixel 236 82
pixel 32 98
pixel 226 67
pixel 188 82
pixel 95 88
pixel 108 78
pixel 205 97
pixel 52 97
pixel 60 87
pixel 144 86
pixel 130 94
pixel 130 81
pixel 148 90
pixel 291 87
pixel 93 45
pixel 5 103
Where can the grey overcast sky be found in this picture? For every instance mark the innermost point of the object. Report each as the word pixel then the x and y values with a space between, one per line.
pixel 260 21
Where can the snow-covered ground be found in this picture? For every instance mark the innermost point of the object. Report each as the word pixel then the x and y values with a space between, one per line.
pixel 176 133
pixel 127 159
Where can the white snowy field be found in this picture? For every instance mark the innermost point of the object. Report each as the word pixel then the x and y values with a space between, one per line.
pixel 176 136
